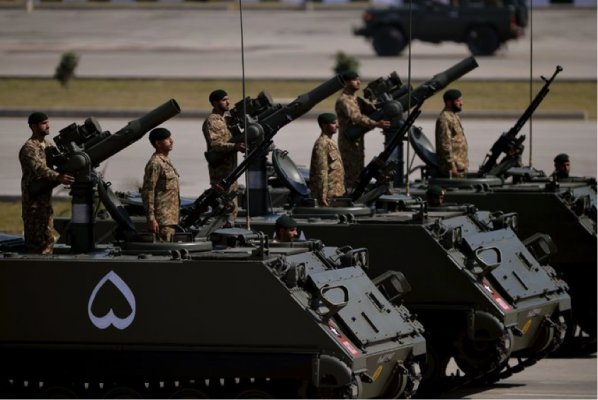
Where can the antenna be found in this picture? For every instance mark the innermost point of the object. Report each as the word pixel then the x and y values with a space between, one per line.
pixel 409 101
pixel 247 218
pixel 531 75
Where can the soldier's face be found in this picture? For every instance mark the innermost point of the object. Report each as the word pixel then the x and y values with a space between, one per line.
pixel 165 145
pixel 330 129
pixel 43 128
pixel 354 84
pixel 224 104
pixel 287 234
pixel 435 201
pixel 564 167
pixel 457 105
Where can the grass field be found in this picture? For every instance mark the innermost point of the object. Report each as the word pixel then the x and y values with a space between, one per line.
pixel 10 215
pixel 47 94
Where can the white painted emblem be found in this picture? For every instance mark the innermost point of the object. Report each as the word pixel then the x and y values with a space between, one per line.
pixel 111 319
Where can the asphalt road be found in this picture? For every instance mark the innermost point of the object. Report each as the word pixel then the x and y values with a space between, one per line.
pixel 279 44
pixel 125 169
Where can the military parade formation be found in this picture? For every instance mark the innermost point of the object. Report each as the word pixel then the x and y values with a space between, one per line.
pixel 342 280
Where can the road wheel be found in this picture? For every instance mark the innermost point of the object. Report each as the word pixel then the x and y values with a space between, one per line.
pixel 483 41
pixel 388 41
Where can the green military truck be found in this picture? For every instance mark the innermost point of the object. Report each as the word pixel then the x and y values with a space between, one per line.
pixel 484 25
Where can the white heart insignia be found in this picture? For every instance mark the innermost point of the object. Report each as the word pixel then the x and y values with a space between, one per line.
pixel 111 319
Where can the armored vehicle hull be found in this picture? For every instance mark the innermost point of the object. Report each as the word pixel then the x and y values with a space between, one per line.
pixel 480 293
pixel 232 322
pixel 567 213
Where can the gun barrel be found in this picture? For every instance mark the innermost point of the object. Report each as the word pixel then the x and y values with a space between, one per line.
pixel 440 81
pixel 134 131
pixel 302 104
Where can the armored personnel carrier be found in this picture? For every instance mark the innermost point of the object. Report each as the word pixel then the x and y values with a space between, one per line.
pixel 226 314
pixel 565 209
pixel 483 295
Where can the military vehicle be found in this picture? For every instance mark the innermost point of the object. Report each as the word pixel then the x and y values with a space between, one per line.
pixel 483 25
pixel 565 209
pixel 218 313
pixel 483 295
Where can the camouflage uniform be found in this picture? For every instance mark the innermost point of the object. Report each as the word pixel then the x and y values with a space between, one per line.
pixel 217 136
pixel 451 144
pixel 349 113
pixel 37 214
pixel 160 194
pixel 326 172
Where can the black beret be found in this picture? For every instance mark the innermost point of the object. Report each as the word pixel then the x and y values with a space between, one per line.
pixel 36 118
pixel 561 158
pixel 286 222
pixel 434 190
pixel 217 95
pixel 451 94
pixel 350 75
pixel 326 118
pixel 158 134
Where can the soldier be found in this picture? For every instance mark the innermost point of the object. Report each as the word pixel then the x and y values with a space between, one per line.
pixel 562 166
pixel 451 144
pixel 286 229
pixel 217 137
pixel 350 113
pixel 160 191
pixel 435 196
pixel 326 172
pixel 37 212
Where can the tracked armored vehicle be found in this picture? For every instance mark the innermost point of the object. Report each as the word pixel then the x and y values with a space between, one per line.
pixel 483 295
pixel 565 209
pixel 226 314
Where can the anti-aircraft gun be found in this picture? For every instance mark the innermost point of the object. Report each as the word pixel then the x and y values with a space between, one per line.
pixel 79 150
pixel 270 119
pixel 508 143
pixel 256 109
pixel 391 98
pixel 380 168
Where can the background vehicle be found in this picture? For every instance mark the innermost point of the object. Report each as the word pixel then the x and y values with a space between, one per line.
pixel 484 25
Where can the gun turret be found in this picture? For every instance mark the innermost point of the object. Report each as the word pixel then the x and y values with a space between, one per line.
pixel 265 128
pixel 80 149
pixel 386 101
pixel 508 143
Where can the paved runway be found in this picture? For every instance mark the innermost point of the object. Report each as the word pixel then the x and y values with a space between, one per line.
pixel 284 44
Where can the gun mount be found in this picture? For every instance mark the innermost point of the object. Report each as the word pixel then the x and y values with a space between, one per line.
pixel 508 143
pixel 262 130
pixel 391 98
pixel 80 149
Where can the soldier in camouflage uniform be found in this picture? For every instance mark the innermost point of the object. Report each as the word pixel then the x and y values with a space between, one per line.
pixel 451 144
pixel 37 212
pixel 160 191
pixel 562 166
pixel 326 172
pixel 217 137
pixel 350 112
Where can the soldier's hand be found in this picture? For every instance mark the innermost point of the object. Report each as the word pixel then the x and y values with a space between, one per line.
pixel 66 179
pixel 240 147
pixel 383 124
pixel 152 226
pixel 324 202
pixel 454 170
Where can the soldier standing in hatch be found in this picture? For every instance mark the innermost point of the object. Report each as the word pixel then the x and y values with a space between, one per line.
pixel 562 166
pixel 451 144
pixel 37 212
pixel 217 137
pixel 286 229
pixel 350 113
pixel 160 191
pixel 435 196
pixel 326 172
